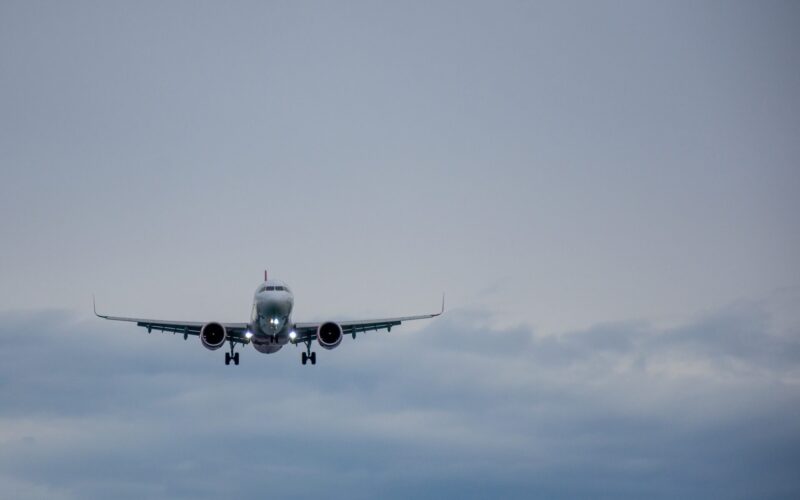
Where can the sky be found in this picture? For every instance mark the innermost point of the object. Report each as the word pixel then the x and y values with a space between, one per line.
pixel 606 191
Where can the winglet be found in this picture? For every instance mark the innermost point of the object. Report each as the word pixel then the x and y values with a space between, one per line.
pixel 94 307
pixel 442 312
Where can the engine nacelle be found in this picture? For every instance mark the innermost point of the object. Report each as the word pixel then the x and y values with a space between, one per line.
pixel 213 336
pixel 329 335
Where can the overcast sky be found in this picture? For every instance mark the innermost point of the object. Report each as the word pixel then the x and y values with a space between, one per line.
pixel 607 192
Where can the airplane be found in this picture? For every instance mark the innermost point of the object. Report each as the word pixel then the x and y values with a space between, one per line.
pixel 270 326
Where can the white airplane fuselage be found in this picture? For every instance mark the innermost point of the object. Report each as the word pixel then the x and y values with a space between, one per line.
pixel 271 319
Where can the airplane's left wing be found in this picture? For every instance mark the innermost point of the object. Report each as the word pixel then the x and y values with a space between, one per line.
pixel 305 332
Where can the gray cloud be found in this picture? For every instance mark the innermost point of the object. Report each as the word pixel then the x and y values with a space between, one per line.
pixel 458 408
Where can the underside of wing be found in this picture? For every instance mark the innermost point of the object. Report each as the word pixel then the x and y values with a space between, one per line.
pixel 235 331
pixel 305 332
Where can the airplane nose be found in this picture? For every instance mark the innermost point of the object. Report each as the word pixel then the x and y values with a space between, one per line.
pixel 273 308
pixel 271 323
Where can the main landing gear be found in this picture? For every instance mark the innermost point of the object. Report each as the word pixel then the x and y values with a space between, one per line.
pixel 308 355
pixel 231 356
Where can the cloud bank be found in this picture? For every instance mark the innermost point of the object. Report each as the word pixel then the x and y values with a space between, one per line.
pixel 457 409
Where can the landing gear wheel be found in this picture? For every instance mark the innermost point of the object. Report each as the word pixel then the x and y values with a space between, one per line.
pixel 308 355
pixel 231 356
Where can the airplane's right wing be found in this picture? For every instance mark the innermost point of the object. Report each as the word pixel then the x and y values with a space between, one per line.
pixel 235 331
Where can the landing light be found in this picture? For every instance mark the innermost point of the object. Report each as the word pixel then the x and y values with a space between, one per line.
pixel 292 335
pixel 248 334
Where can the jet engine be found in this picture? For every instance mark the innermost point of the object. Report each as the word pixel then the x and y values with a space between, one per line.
pixel 329 335
pixel 213 336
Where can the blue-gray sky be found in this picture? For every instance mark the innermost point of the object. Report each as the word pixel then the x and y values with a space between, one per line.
pixel 607 192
